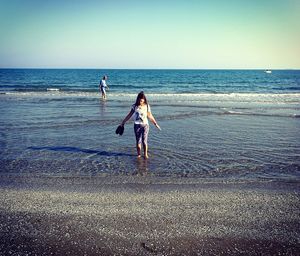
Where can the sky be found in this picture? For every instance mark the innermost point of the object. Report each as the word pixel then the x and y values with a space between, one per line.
pixel 179 34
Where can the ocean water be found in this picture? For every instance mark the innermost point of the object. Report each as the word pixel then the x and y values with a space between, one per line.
pixel 225 124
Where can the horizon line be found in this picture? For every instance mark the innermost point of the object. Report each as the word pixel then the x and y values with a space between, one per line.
pixel 161 68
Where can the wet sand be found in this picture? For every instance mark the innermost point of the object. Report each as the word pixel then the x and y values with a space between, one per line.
pixel 147 216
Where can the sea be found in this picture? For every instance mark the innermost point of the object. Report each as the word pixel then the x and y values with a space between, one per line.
pixel 215 124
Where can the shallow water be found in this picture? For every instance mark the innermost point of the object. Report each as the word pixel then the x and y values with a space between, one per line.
pixel 229 136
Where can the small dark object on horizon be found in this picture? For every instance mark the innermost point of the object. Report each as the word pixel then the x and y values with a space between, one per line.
pixel 120 130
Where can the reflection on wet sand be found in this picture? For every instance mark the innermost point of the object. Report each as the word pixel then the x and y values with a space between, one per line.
pixel 141 167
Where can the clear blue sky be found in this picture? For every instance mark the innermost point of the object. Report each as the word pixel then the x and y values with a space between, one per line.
pixel 150 34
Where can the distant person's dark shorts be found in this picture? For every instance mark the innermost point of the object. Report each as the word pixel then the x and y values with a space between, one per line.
pixel 103 90
pixel 141 133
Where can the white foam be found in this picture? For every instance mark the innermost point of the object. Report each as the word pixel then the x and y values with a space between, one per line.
pixel 198 98
pixel 53 89
pixel 234 112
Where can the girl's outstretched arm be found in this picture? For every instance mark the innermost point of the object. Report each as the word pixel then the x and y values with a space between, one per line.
pixel 152 119
pixel 127 117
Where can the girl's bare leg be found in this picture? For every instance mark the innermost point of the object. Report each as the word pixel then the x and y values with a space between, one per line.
pixel 138 149
pixel 145 150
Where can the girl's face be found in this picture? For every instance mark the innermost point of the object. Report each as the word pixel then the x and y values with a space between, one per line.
pixel 142 101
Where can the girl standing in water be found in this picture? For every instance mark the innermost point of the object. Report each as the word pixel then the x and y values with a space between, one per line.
pixel 141 112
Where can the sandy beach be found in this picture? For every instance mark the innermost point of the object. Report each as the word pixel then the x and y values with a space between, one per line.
pixel 147 216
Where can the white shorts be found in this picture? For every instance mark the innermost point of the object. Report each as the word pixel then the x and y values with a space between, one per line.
pixel 103 90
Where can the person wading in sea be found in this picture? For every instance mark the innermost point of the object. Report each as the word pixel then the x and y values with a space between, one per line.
pixel 103 86
pixel 141 111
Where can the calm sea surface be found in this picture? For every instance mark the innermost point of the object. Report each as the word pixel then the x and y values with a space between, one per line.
pixel 228 124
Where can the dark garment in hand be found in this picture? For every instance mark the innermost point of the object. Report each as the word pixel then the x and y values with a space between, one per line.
pixel 120 130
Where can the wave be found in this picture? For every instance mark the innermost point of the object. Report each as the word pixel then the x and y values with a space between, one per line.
pixel 292 88
pixel 177 97
pixel 261 114
pixel 53 89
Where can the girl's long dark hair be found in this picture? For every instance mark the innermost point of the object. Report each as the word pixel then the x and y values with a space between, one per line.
pixel 140 96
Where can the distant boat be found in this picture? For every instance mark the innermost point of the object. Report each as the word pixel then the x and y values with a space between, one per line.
pixel 268 71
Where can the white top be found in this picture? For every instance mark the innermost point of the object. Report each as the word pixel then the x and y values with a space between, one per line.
pixel 140 114
pixel 103 83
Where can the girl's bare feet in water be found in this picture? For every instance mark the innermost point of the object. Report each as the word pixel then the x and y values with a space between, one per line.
pixel 139 156
pixel 146 156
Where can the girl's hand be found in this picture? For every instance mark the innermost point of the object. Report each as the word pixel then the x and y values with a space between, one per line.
pixel 157 126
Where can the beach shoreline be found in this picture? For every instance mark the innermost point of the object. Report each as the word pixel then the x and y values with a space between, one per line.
pixel 147 216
